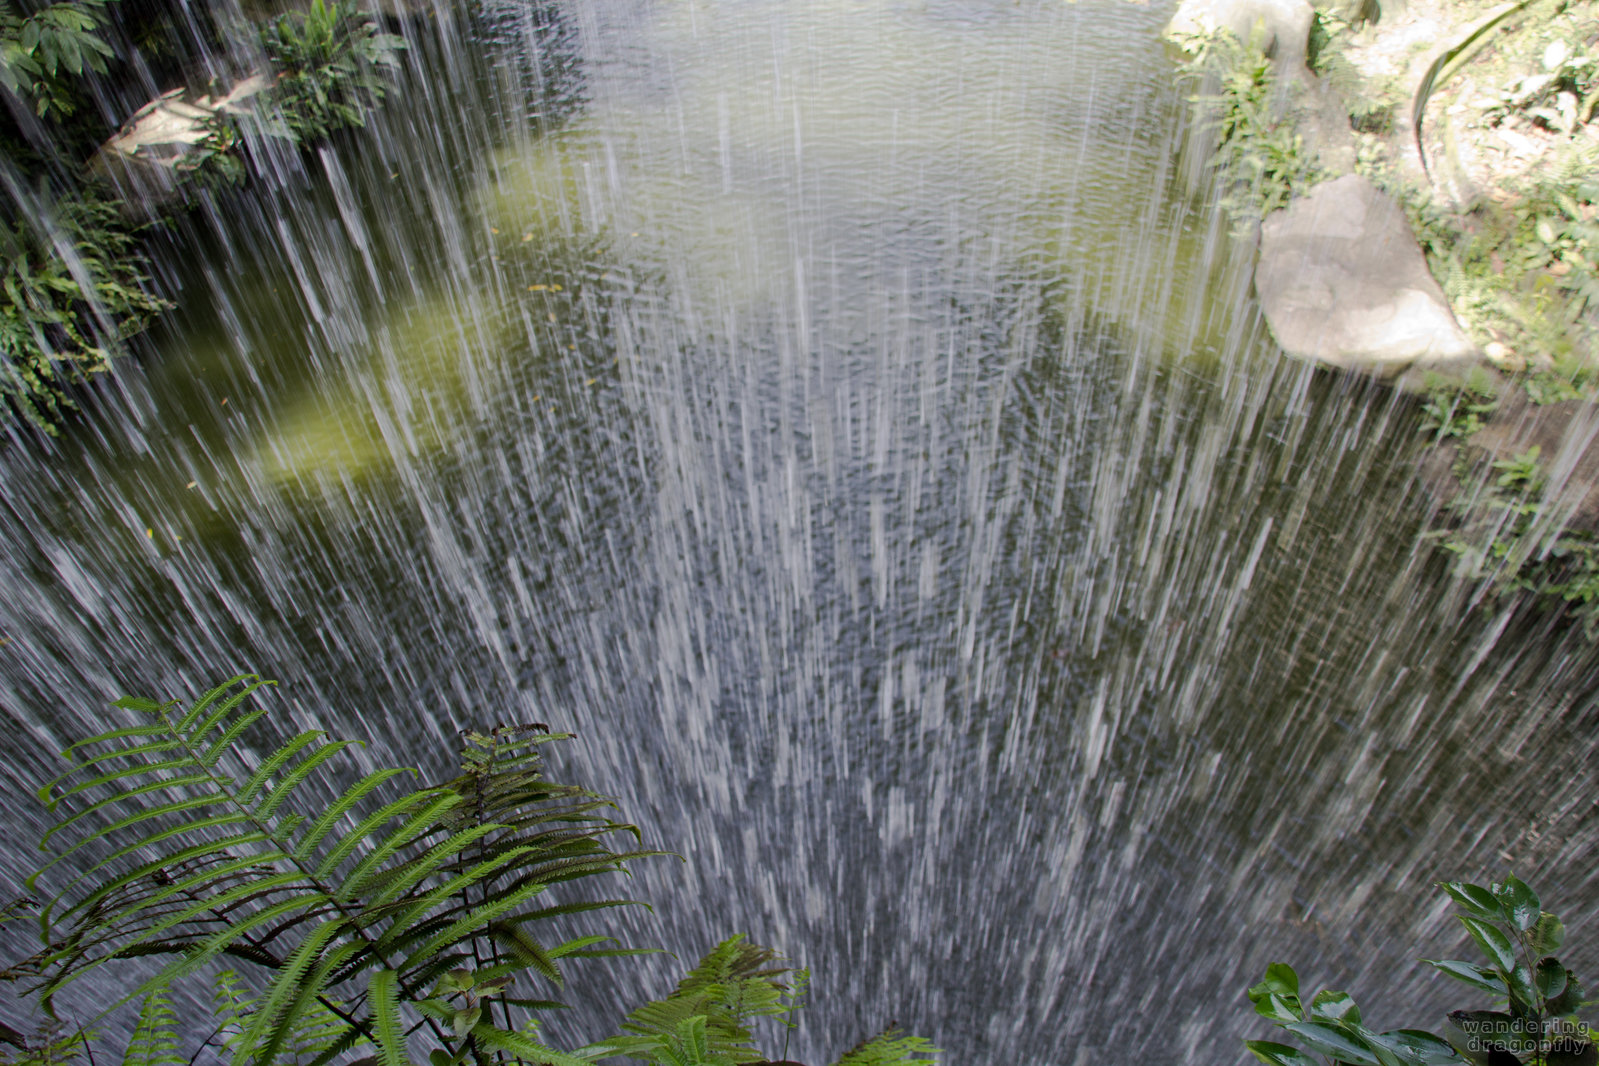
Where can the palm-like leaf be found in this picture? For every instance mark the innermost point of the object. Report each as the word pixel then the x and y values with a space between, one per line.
pixel 201 852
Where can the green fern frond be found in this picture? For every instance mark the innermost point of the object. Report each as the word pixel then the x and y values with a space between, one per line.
pixel 736 983
pixel 890 1048
pixel 155 1038
pixel 322 896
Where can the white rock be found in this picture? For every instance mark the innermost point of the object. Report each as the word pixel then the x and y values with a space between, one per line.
pixel 1285 24
pixel 1342 282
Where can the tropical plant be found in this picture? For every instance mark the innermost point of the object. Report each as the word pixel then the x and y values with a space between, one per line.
pixel 1455 408
pixel 1260 160
pixel 40 49
pixel 374 919
pixel 200 847
pixel 217 159
pixel 1538 997
pixel 330 67
pixel 71 293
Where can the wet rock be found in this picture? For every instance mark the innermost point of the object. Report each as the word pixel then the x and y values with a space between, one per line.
pixel 1342 282
pixel 1283 24
pixel 143 158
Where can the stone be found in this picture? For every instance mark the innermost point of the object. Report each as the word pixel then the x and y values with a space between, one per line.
pixel 1284 24
pixel 1343 283
pixel 143 157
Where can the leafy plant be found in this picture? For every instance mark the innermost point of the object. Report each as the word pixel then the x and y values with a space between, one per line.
pixel 217 159
pixel 374 918
pixel 69 296
pixel 330 65
pixel 1539 997
pixel 708 1018
pixel 216 851
pixel 1454 408
pixel 38 51
pixel 1260 160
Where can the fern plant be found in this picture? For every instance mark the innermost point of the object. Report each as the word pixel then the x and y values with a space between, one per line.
pixel 709 1017
pixel 352 910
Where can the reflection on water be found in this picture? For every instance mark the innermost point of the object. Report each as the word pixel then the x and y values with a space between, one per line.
pixel 829 411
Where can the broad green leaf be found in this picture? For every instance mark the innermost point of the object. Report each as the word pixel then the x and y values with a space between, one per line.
pixel 1547 934
pixel 1570 998
pixel 1331 1006
pixel 1333 1041
pixel 1423 1048
pixel 1476 976
pixel 1550 978
pixel 465 1018
pixel 1523 995
pixel 1495 944
pixel 1477 901
pixel 1520 902
pixel 1484 1030
pixel 1279 1054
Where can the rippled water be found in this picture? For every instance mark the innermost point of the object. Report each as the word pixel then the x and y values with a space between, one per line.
pixel 835 413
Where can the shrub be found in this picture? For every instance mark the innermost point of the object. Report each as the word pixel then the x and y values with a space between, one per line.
pixel 1261 162
pixel 1538 999
pixel 38 51
pixel 69 296
pixel 375 916
pixel 330 68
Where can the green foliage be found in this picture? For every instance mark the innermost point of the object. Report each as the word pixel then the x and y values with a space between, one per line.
pixel 201 849
pixel 216 161
pixel 330 65
pixel 1538 997
pixel 1560 96
pixel 69 296
pixel 709 1013
pixel 38 51
pixel 1502 540
pixel 52 1044
pixel 708 1018
pixel 890 1048
pixel 1260 160
pixel 376 916
pixel 1455 408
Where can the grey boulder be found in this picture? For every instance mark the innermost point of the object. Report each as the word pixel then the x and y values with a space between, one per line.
pixel 1342 282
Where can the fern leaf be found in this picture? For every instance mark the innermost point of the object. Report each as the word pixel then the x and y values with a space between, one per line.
pixel 155 1038
pixel 271 1023
pixel 194 734
pixel 415 826
pixel 300 772
pixel 205 950
pixel 352 796
pixel 196 709
pixel 275 761
pixel 890 1048
pixel 122 796
pixel 405 921
pixel 217 849
pixel 119 776
pixel 224 743
pixel 386 1017
pixel 395 882
pixel 524 1047
pixel 358 836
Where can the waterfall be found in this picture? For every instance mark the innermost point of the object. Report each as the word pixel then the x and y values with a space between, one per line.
pixel 838 416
